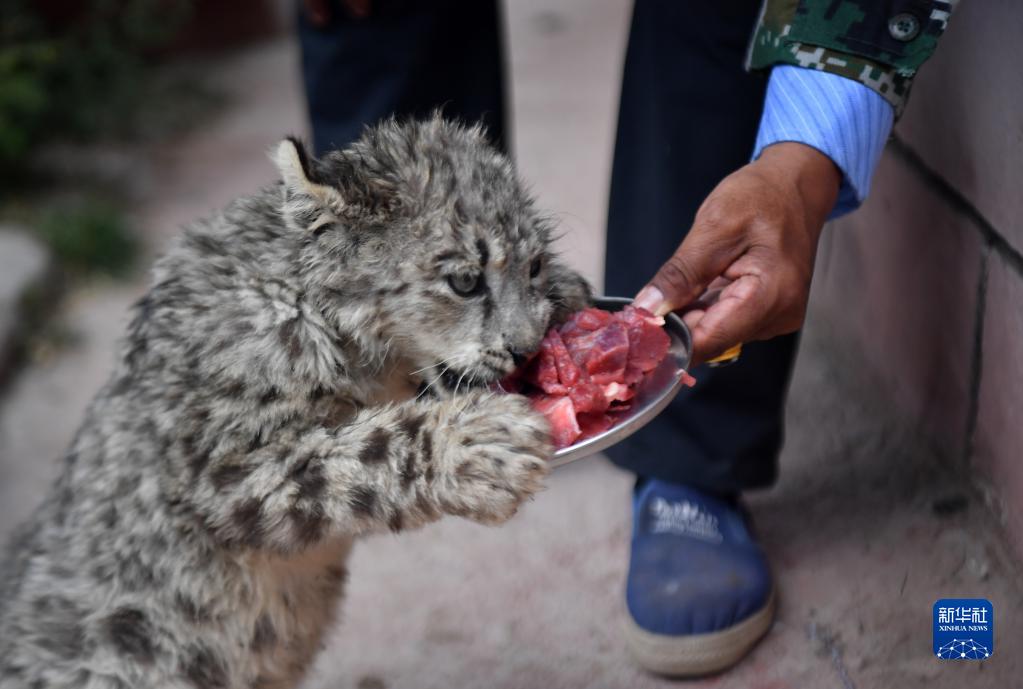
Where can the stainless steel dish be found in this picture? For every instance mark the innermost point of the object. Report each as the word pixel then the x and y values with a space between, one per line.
pixel 653 394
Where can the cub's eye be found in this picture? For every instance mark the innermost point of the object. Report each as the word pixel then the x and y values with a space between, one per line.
pixel 535 267
pixel 466 284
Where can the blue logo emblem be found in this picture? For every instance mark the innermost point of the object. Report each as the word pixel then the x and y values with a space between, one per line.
pixel 964 628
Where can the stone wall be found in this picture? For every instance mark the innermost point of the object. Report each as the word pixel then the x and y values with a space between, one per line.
pixel 927 278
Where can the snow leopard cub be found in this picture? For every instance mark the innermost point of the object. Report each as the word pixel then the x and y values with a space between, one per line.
pixel 306 368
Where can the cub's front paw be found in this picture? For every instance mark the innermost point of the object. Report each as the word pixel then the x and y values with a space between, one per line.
pixel 495 458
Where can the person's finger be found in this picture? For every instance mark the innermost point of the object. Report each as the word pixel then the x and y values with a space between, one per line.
pixel 709 296
pixel 737 316
pixel 692 318
pixel 317 12
pixel 708 249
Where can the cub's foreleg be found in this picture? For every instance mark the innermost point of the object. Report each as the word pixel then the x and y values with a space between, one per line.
pixel 393 467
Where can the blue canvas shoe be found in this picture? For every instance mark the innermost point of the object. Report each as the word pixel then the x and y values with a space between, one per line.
pixel 699 592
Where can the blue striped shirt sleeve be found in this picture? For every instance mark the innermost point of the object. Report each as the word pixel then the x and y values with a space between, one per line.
pixel 841 118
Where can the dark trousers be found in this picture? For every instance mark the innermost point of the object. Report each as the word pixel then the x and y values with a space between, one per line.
pixel 407 58
pixel 688 117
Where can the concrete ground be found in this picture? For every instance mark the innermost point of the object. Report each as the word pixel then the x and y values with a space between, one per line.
pixel 24 268
pixel 866 529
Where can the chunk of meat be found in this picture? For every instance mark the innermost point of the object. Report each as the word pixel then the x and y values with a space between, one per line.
pixel 569 372
pixel 609 355
pixel 571 378
pixel 587 370
pixel 648 343
pixel 587 396
pixel 585 321
pixel 543 371
pixel 593 424
pixel 617 392
pixel 562 417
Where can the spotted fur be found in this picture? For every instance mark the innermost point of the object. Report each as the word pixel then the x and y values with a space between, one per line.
pixel 308 366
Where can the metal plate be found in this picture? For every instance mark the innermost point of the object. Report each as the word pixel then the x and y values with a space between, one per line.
pixel 653 394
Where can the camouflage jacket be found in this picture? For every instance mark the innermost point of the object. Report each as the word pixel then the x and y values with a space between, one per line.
pixel 879 43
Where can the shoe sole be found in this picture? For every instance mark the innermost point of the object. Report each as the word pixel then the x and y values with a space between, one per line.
pixel 697 654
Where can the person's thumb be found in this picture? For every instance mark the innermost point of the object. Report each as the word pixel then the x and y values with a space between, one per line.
pixel 698 261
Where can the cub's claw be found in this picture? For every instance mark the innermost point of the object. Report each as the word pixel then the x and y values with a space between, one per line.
pixel 495 459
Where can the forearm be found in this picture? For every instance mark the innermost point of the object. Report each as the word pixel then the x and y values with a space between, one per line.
pixel 310 482
pixel 393 467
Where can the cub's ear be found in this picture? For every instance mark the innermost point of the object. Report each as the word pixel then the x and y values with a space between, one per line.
pixel 306 198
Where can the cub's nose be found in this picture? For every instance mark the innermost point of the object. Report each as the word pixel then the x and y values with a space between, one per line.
pixel 518 357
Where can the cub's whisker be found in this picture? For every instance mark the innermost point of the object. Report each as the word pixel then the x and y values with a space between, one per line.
pixel 448 360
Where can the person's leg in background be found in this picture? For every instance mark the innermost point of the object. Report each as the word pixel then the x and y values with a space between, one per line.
pixel 699 592
pixel 406 58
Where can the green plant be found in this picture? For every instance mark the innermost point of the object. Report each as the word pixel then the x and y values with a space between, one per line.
pixel 26 60
pixel 80 78
pixel 89 237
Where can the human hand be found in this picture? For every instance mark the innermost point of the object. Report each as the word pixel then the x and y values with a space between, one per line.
pixel 743 271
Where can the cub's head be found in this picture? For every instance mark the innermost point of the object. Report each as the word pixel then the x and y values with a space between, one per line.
pixel 420 239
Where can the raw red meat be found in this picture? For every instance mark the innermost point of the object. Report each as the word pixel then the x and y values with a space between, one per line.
pixel 561 415
pixel 617 392
pixel 543 371
pixel 648 343
pixel 555 372
pixel 586 321
pixel 592 424
pixel 609 355
pixel 587 396
pixel 569 372
pixel 587 369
